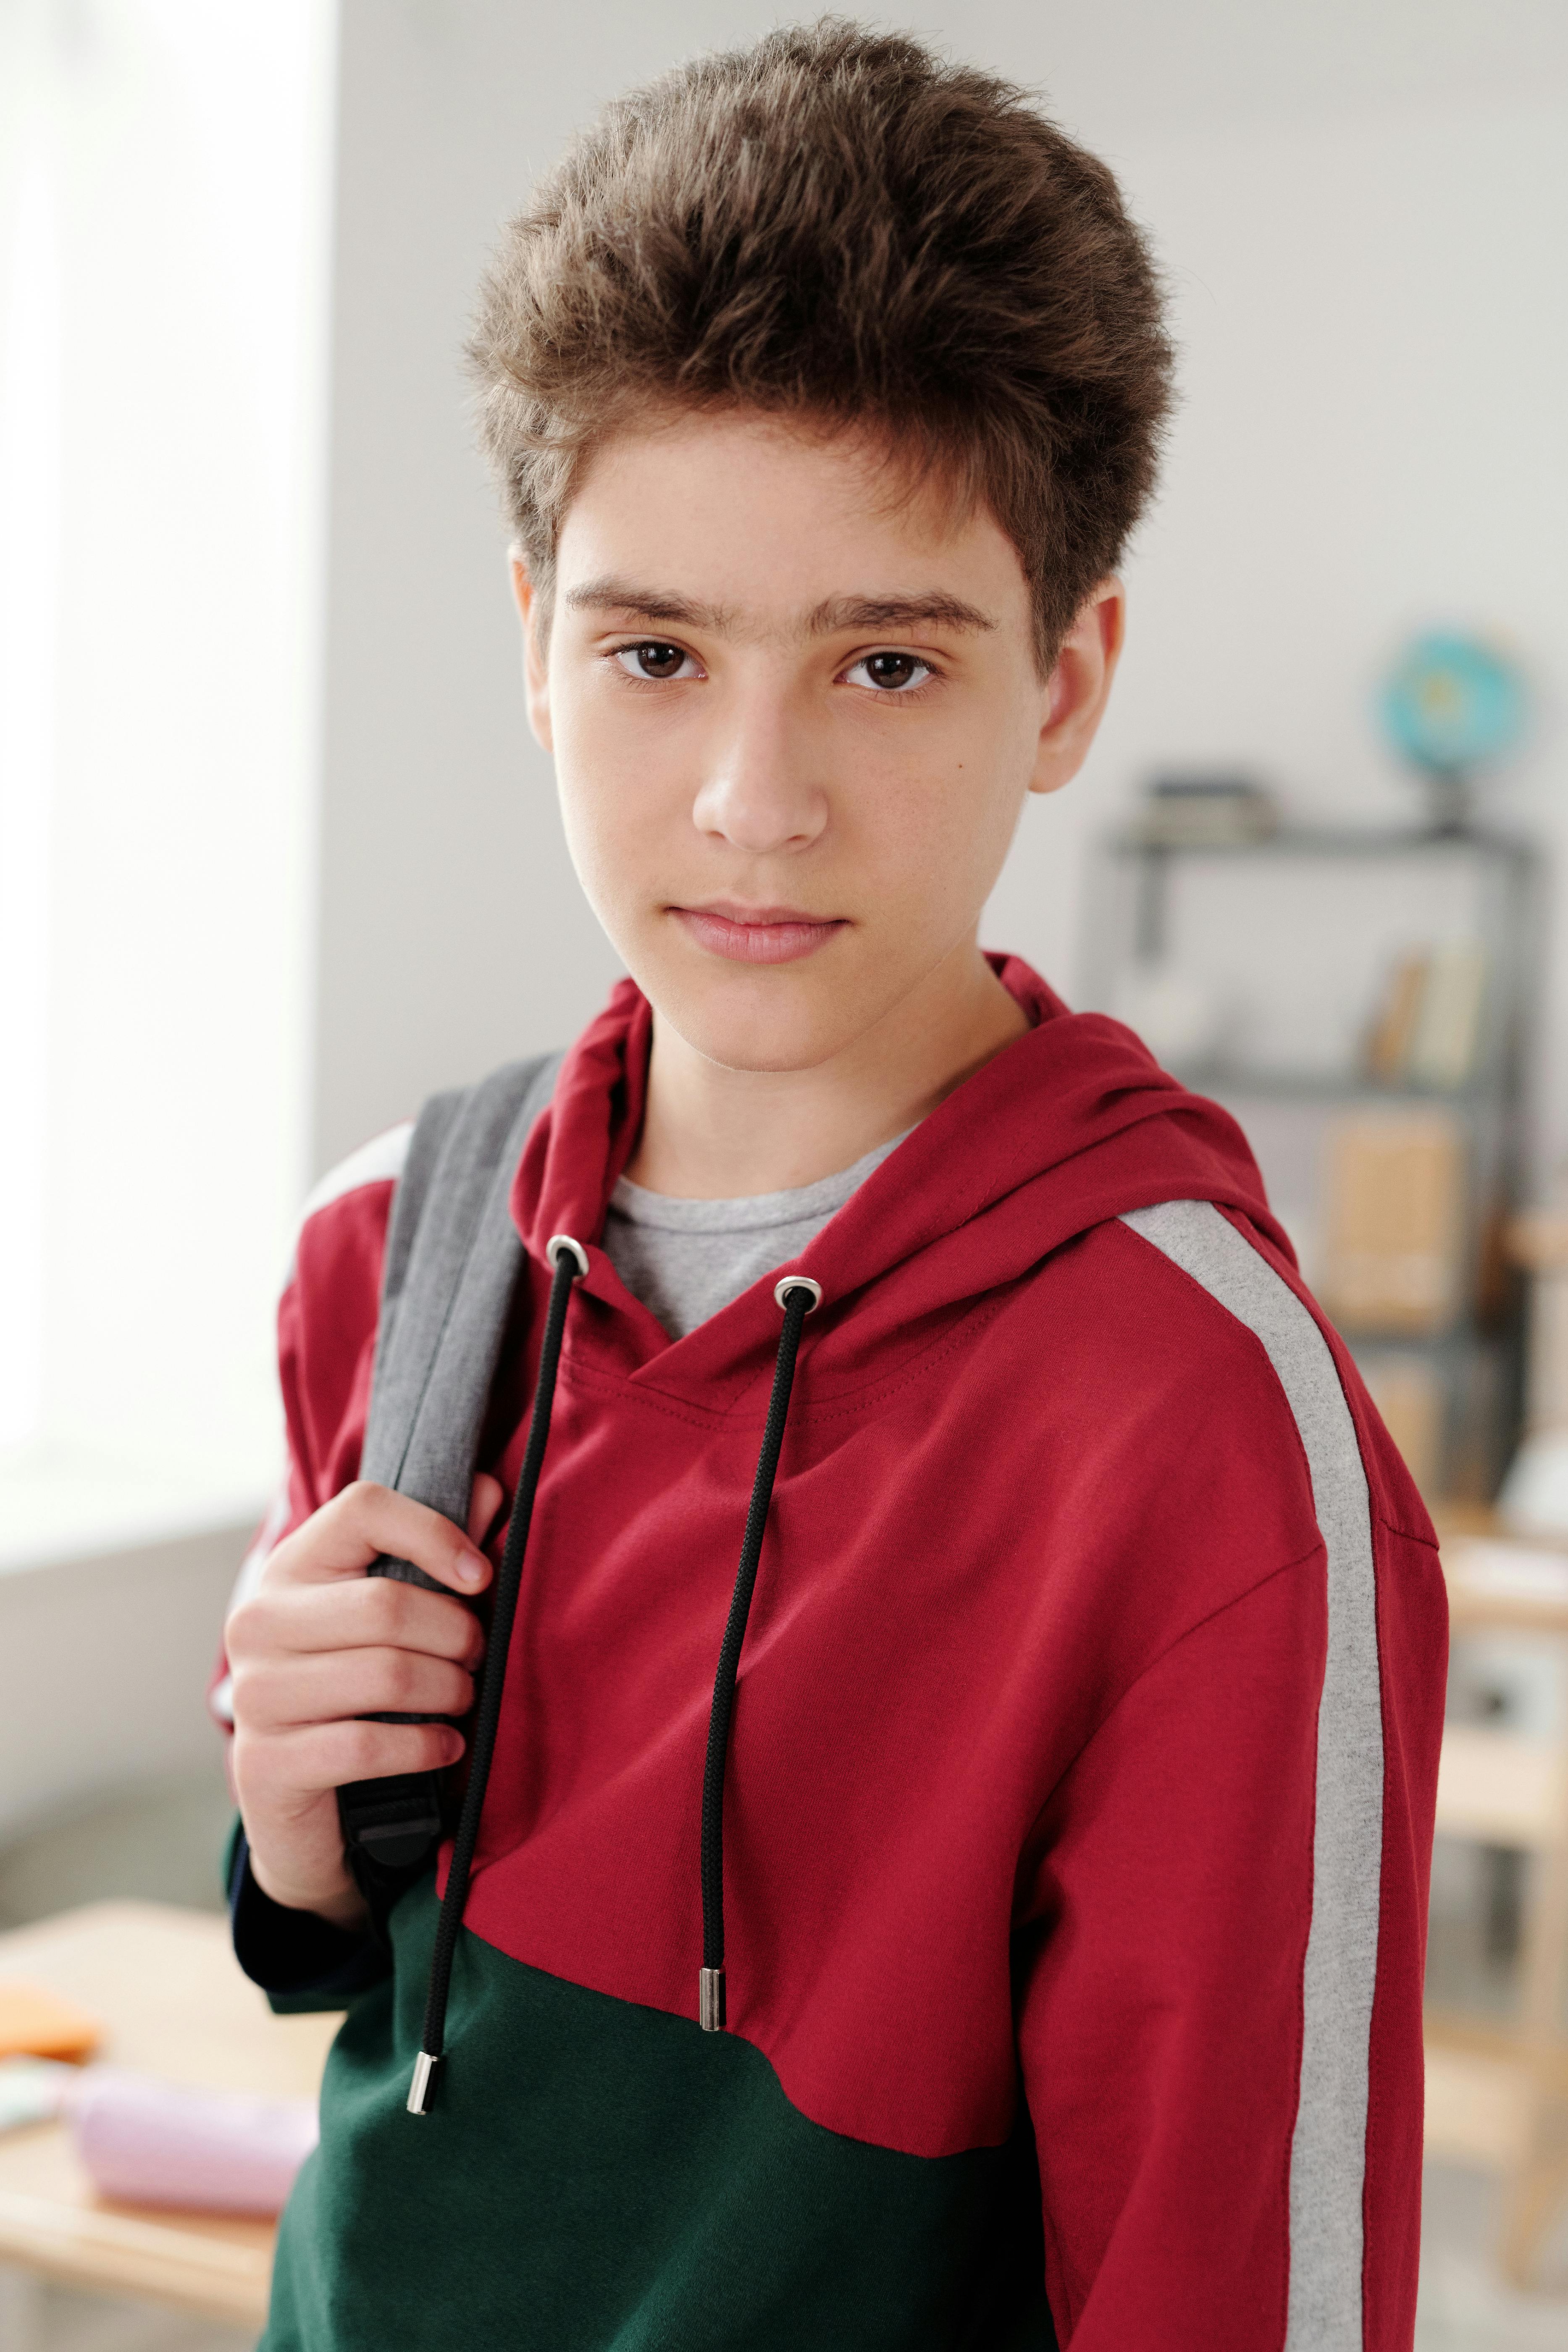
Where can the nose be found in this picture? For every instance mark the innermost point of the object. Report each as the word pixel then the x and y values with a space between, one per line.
pixel 759 793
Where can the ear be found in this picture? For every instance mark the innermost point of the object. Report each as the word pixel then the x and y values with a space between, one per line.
pixel 535 665
pixel 1080 687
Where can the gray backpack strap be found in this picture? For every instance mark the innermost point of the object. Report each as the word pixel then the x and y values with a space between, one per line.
pixel 412 1188
pixel 452 1262
pixel 453 1258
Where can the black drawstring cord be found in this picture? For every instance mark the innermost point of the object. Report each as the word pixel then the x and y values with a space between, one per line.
pixel 570 1261
pixel 797 1295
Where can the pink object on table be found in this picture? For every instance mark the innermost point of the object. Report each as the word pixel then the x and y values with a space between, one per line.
pixel 152 2143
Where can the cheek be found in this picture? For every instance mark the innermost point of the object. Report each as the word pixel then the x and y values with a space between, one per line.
pixel 934 838
pixel 611 783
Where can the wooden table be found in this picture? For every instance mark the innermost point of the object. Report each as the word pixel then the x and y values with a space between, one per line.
pixel 166 1985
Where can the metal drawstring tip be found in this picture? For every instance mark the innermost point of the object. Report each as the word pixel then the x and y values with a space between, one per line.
pixel 711 1999
pixel 419 2089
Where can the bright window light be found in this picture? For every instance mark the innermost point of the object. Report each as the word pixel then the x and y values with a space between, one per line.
pixel 29 594
pixel 164 252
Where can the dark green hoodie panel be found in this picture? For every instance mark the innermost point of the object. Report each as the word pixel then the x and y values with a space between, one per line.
pixel 596 2176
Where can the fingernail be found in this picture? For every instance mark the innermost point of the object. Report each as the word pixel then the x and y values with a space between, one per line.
pixel 470 1570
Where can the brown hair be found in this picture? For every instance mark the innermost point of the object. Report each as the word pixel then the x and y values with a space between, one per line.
pixel 839 226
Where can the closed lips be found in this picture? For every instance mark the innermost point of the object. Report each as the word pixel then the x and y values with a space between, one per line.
pixel 756 935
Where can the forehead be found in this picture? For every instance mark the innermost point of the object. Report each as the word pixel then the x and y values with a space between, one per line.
pixel 767 520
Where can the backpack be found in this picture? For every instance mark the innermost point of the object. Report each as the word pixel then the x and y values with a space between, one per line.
pixel 453 1258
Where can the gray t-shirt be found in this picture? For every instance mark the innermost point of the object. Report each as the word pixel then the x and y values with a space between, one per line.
pixel 686 1259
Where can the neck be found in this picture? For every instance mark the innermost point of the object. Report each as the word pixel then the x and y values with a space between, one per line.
pixel 711 1133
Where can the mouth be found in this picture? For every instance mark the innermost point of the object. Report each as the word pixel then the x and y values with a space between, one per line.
pixel 756 934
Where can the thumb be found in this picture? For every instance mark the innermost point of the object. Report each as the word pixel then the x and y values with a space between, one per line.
pixel 483 1504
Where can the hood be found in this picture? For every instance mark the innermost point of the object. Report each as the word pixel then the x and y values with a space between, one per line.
pixel 1071 1125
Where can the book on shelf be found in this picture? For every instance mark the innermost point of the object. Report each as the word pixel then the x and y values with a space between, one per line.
pixel 1427 1028
pixel 1448 1026
pixel 1207 811
pixel 1393 1024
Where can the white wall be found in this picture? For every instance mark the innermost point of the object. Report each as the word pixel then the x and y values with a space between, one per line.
pixel 450 932
pixel 1361 209
pixel 107 1665
pixel 1373 310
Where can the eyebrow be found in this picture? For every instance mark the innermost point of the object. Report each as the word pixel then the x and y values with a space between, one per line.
pixel 613 595
pixel 932 609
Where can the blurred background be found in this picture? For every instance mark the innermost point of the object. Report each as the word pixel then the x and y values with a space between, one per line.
pixel 278 855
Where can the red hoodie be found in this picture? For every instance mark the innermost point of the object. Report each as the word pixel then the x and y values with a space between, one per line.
pixel 1082 1765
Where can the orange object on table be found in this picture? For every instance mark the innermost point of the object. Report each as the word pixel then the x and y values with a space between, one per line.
pixel 37 2024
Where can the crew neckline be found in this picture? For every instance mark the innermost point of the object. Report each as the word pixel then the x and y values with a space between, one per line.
pixel 749 1211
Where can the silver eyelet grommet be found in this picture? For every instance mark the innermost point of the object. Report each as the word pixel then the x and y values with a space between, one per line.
pixel 558 1243
pixel 797 1282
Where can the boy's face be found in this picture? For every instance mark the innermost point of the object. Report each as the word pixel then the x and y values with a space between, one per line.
pixel 793 721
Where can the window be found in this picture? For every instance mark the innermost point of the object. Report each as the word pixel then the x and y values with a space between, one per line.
pixel 163 250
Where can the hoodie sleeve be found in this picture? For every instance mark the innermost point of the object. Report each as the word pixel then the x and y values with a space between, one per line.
pixel 1222 1919
pixel 326 1344
pixel 1226 2104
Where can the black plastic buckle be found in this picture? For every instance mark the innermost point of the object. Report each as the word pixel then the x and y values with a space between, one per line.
pixel 393 1822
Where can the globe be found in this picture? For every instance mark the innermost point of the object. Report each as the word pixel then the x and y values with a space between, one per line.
pixel 1452 704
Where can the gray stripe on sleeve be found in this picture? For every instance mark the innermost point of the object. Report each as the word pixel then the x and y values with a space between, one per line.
pixel 1328 2152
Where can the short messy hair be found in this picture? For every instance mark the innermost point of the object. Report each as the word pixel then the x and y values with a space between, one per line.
pixel 837 225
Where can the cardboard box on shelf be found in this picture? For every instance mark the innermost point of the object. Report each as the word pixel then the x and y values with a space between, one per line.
pixel 1393 1188
pixel 1535 1496
pixel 1409 1395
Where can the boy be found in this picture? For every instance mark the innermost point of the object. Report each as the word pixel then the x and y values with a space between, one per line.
pixel 993 1916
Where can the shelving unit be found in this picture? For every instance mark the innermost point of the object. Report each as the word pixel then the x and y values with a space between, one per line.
pixel 1189 901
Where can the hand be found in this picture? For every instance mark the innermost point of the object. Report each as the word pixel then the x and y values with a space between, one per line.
pixel 320 1646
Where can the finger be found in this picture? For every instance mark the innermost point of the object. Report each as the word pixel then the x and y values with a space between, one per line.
pixel 355 1614
pixel 338 1685
pixel 365 1521
pixel 484 1504
pixel 321 1756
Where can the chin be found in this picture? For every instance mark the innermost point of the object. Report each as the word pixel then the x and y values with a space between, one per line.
pixel 756 1023
pixel 762 1045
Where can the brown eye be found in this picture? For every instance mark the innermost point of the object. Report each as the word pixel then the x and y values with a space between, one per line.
pixel 890 673
pixel 656 659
